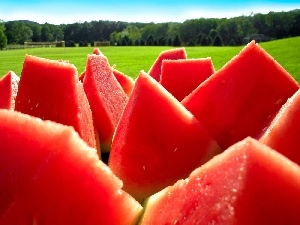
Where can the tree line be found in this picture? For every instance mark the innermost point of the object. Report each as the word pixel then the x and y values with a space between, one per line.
pixel 200 31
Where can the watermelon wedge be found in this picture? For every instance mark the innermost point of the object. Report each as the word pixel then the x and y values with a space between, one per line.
pixel 8 90
pixel 126 82
pixel 97 51
pixel 49 175
pixel 180 77
pixel 81 76
pixel 283 133
pixel 157 141
pixel 172 54
pixel 106 97
pixel 247 184
pixel 242 98
pixel 50 90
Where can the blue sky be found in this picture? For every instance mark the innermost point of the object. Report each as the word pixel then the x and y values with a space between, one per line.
pixel 59 12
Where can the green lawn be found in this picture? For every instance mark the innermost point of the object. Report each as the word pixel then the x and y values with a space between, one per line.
pixel 130 60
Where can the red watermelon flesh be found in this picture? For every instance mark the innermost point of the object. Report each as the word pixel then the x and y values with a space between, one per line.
pixel 50 176
pixel 180 77
pixel 81 76
pixel 8 90
pixel 106 97
pixel 247 184
pixel 97 51
pixel 283 133
pixel 50 90
pixel 157 141
pixel 125 81
pixel 172 54
pixel 241 98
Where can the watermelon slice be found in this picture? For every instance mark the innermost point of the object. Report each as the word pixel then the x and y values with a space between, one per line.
pixel 97 51
pixel 125 81
pixel 81 76
pixel 180 77
pixel 173 54
pixel 50 90
pixel 50 176
pixel 8 90
pixel 241 98
pixel 248 184
pixel 106 97
pixel 283 133
pixel 157 141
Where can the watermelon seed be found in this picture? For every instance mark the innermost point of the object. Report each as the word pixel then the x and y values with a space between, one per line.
pixel 144 168
pixel 175 149
pixel 37 105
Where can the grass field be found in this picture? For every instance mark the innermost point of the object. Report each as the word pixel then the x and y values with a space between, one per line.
pixel 130 60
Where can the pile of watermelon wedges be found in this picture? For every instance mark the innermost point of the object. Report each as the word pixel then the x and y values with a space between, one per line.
pixel 180 144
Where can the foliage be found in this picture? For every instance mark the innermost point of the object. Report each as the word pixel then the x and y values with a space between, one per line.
pixel 3 38
pixel 218 41
pixel 21 33
pixel 177 41
pixel 70 44
pixel 199 31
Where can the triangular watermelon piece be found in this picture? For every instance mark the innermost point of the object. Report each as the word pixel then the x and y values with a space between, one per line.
pixel 106 97
pixel 247 184
pixel 81 76
pixel 241 98
pixel 283 133
pixel 157 141
pixel 180 77
pixel 8 90
pixel 50 176
pixel 97 51
pixel 172 54
pixel 50 90
pixel 125 81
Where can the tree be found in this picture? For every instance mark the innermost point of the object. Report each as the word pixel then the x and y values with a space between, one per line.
pixel 114 37
pixel 3 38
pixel 58 34
pixel 21 33
pixel 150 40
pixel 36 32
pixel 205 41
pixel 213 33
pixel 170 42
pixel 162 41
pixel 177 41
pixel 46 34
pixel 136 42
pixel 142 43
pixel 218 41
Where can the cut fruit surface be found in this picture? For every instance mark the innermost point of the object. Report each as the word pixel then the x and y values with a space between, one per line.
pixel 172 54
pixel 50 90
pixel 180 77
pixel 106 97
pixel 247 184
pixel 8 90
pixel 283 133
pixel 241 98
pixel 49 175
pixel 157 141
